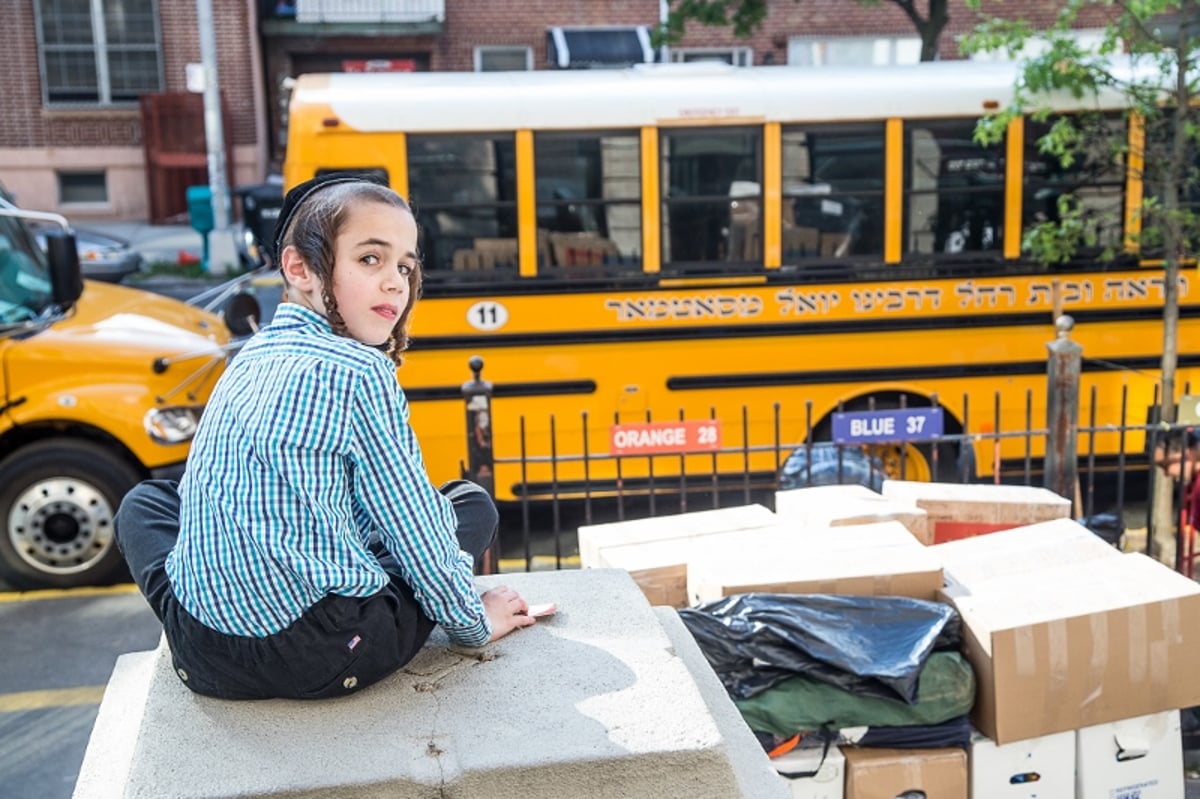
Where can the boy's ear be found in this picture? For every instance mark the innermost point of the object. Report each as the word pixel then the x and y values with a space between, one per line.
pixel 295 270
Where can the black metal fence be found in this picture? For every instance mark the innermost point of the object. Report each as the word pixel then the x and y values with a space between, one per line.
pixel 1111 485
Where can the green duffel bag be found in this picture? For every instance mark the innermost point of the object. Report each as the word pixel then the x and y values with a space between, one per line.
pixel 946 689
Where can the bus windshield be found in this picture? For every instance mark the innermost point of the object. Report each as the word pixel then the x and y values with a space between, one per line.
pixel 25 289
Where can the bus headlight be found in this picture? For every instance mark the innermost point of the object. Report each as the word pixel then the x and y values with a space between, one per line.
pixel 174 424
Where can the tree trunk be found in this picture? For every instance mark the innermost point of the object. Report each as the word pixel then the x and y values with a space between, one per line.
pixel 1174 244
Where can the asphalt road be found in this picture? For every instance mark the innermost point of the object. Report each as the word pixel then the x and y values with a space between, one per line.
pixel 58 651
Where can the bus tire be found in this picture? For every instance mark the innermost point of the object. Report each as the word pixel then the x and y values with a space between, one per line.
pixel 57 503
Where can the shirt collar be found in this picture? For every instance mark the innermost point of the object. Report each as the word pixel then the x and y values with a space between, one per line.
pixel 293 314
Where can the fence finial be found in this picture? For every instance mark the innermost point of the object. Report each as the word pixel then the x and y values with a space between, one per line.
pixel 1063 325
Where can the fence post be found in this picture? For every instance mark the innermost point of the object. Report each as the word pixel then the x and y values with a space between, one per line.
pixel 480 459
pixel 477 394
pixel 1062 411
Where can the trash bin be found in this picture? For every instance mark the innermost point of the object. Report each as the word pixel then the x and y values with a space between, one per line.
pixel 261 203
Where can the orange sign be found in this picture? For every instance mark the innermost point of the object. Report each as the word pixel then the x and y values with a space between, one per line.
pixel 665 438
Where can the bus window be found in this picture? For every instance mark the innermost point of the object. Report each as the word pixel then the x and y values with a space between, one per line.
pixel 953 189
pixel 1096 178
pixel 463 191
pixel 588 208
pixel 712 196
pixel 832 191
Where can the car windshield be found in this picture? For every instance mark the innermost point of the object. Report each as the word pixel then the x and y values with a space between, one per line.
pixel 25 289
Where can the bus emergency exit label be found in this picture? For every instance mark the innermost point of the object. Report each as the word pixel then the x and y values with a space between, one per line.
pixel 665 438
pixel 876 427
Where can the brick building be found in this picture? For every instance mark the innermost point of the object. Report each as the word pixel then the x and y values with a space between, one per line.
pixel 78 134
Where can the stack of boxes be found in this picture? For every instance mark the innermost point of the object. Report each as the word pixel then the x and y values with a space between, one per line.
pixel 1083 655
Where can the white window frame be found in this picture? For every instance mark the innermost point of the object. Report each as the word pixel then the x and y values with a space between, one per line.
pixel 738 56
pixel 100 50
pixel 483 50
pixel 885 50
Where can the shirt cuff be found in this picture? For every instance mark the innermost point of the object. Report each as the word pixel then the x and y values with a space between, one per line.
pixel 475 635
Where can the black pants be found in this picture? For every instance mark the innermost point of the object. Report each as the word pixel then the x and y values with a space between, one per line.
pixel 341 644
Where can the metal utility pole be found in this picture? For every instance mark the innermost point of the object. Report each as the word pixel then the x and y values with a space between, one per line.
pixel 214 131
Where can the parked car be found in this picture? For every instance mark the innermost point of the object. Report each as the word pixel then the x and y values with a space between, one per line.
pixel 101 256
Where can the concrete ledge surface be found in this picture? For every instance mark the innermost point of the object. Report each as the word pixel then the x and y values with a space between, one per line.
pixel 593 702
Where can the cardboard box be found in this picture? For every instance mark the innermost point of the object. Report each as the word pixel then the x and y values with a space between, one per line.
pixel 1078 644
pixel 839 505
pixel 594 537
pixel 962 511
pixel 1036 768
pixel 661 567
pixel 1140 757
pixel 887 773
pixel 829 780
pixel 972 561
pixel 866 560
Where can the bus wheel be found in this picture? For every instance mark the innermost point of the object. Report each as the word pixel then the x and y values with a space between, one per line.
pixel 57 503
pixel 903 461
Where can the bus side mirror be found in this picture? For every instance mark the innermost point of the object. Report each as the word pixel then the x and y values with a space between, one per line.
pixel 65 277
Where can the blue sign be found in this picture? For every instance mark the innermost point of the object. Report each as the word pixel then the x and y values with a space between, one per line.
pixel 878 427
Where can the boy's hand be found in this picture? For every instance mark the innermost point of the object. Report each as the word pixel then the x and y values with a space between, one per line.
pixel 505 610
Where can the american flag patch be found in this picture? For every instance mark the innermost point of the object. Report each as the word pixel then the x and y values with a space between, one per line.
pixel 353 642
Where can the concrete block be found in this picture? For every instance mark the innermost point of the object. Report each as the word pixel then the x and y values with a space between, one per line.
pixel 594 701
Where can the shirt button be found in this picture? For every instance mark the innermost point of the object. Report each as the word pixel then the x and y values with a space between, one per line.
pixel 350 682
pixel 182 674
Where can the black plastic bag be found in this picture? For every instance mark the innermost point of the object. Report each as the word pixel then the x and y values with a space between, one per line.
pixel 874 645
pixel 1109 526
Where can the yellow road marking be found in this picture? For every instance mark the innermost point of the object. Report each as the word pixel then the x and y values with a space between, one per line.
pixel 41 700
pixel 538 563
pixel 68 593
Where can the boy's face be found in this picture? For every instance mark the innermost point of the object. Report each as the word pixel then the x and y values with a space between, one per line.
pixel 374 254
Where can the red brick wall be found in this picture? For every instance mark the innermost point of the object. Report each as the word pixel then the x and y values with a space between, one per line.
pixel 25 122
pixel 20 120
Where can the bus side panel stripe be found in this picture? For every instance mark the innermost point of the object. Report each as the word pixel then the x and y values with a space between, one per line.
pixel 772 196
pixel 527 246
pixel 398 165
pixel 651 202
pixel 1133 180
pixel 893 191
pixel 1014 187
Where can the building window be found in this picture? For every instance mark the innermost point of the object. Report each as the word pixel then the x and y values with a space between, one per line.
pixel 98 52
pixel 878 51
pixel 737 56
pixel 82 187
pixel 503 59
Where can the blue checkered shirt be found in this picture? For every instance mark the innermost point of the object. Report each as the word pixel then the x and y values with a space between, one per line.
pixel 303 452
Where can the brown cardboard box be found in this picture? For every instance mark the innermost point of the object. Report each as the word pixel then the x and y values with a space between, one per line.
pixel 595 537
pixel 660 568
pixel 972 561
pixel 962 511
pixel 655 551
pixel 887 773
pixel 1079 643
pixel 867 560
pixel 841 505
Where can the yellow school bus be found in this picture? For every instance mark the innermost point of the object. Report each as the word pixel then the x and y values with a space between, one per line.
pixel 101 386
pixel 701 242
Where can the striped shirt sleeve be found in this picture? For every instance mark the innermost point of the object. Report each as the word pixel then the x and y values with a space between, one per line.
pixel 415 522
